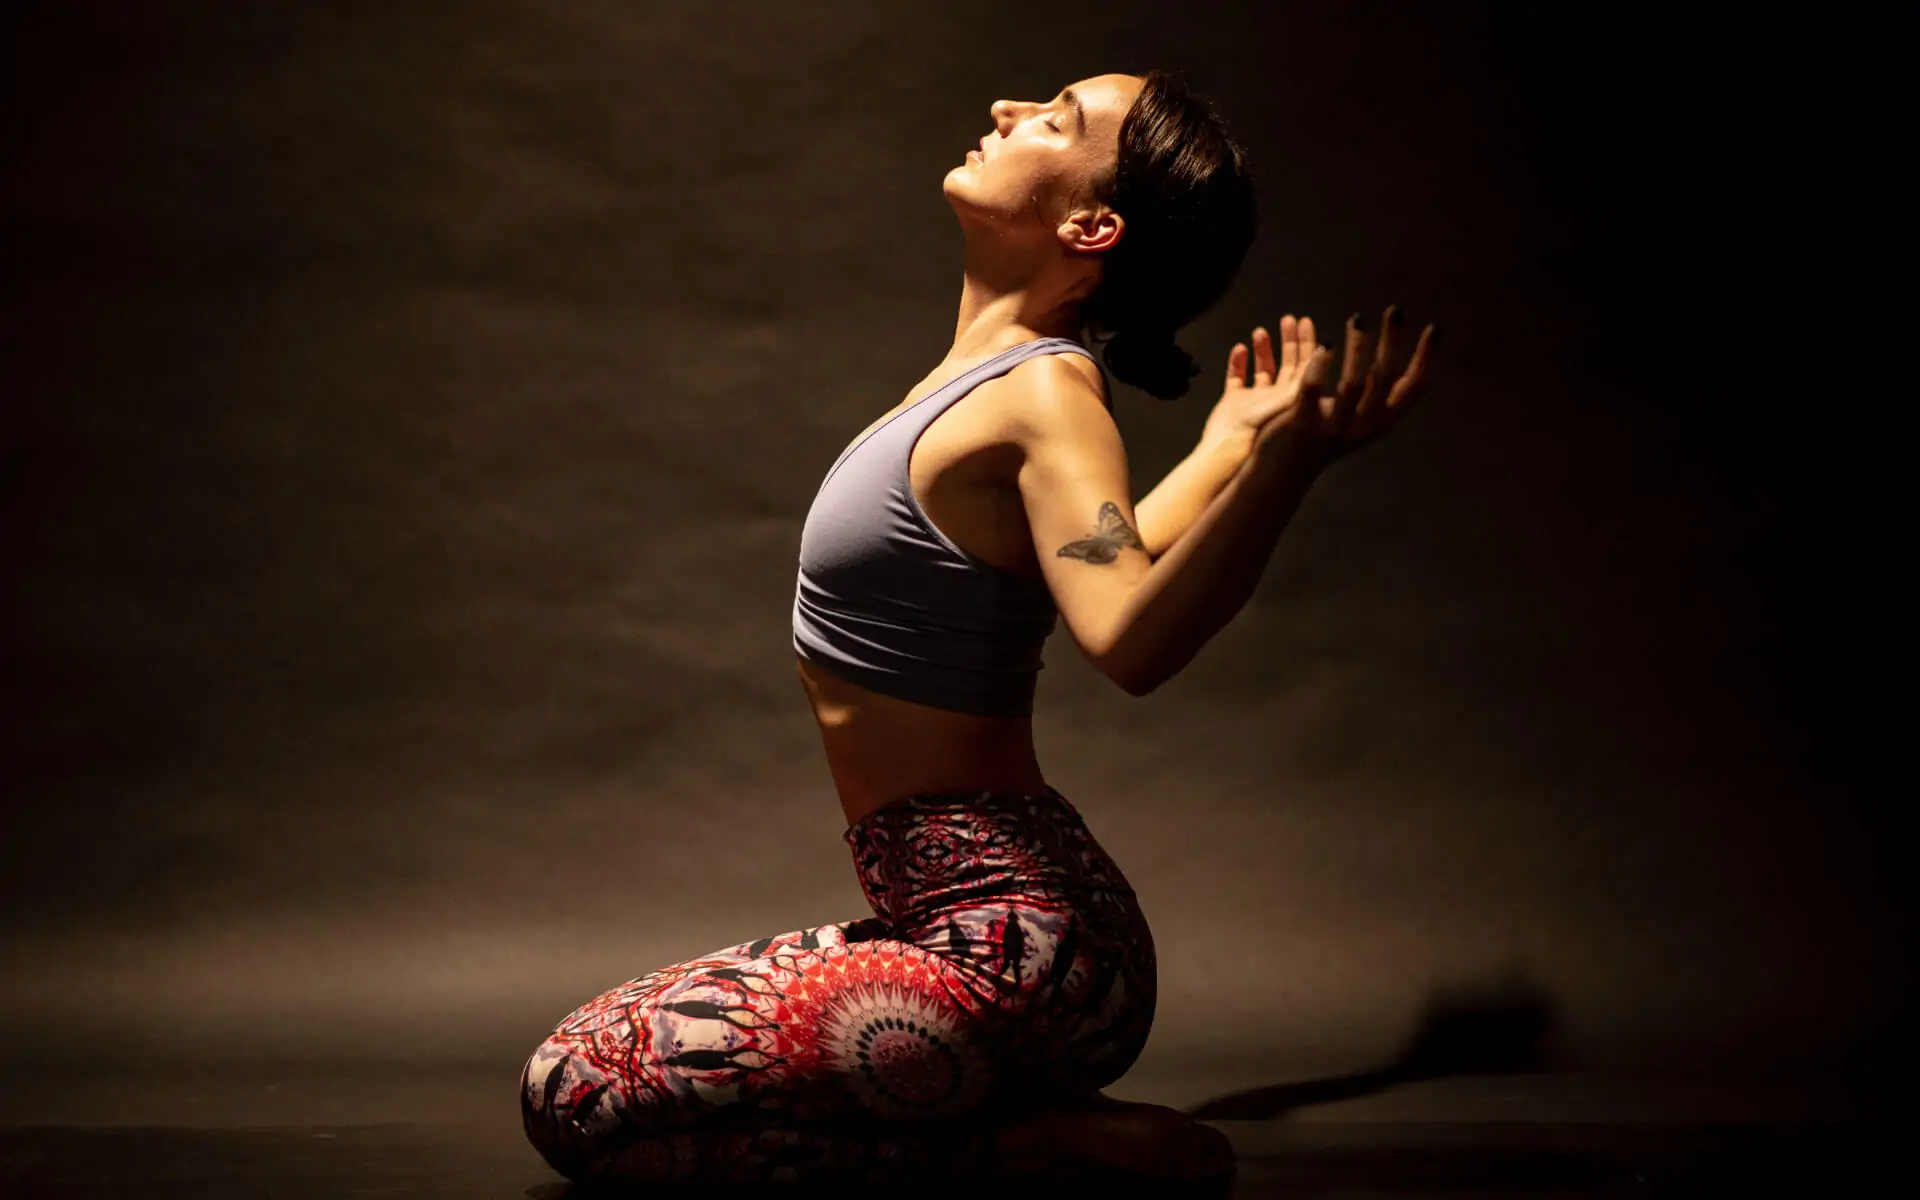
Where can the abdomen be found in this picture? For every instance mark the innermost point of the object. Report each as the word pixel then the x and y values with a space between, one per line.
pixel 881 749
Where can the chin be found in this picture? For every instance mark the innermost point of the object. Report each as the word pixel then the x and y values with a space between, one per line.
pixel 954 185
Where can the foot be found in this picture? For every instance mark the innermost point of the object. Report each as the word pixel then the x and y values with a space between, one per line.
pixel 1107 1135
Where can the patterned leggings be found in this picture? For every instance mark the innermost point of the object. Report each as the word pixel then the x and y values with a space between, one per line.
pixel 1007 967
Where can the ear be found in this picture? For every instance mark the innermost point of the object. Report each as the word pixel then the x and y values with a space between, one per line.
pixel 1092 230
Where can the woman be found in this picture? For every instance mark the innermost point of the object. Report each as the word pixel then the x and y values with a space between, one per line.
pixel 1008 973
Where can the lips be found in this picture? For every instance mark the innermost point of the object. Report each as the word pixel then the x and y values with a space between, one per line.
pixel 976 156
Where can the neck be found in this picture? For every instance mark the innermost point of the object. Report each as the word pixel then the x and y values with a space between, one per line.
pixel 1006 299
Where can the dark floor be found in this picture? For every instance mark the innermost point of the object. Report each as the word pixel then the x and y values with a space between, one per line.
pixel 1332 1161
pixel 208 1133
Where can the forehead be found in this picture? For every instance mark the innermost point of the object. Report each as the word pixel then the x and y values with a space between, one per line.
pixel 1110 94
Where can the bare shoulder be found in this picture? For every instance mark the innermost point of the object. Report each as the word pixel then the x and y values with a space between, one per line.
pixel 1052 396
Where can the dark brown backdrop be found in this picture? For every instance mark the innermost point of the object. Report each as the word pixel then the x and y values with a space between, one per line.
pixel 410 413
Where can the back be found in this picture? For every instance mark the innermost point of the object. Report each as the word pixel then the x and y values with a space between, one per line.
pixel 887 601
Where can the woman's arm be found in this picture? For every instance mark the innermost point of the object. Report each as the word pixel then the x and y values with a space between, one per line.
pixel 1176 502
pixel 1139 620
pixel 1171 508
pixel 1204 580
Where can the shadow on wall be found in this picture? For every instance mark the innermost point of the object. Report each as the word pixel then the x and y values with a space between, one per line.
pixel 1486 1029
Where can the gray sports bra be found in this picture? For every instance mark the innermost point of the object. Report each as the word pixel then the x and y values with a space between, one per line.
pixel 887 601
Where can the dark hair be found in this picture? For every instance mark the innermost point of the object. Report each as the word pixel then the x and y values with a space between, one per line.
pixel 1185 190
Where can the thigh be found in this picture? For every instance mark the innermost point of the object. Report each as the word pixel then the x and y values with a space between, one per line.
pixel 822 1025
pixel 1041 922
pixel 1068 991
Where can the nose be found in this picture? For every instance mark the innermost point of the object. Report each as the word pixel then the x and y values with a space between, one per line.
pixel 1004 113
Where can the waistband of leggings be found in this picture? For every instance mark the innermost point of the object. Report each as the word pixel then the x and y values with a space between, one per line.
pixel 986 802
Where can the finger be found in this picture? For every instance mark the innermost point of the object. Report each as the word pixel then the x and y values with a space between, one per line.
pixel 1414 382
pixel 1303 338
pixel 1353 361
pixel 1289 346
pixel 1313 382
pixel 1237 366
pixel 1379 377
pixel 1390 322
pixel 1346 399
pixel 1262 356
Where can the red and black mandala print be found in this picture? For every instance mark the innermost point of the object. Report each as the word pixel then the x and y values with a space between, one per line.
pixel 1007 961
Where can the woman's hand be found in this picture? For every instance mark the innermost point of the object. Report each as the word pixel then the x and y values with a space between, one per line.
pixel 1288 402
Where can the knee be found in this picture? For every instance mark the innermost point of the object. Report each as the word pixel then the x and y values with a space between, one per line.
pixel 564 1105
pixel 582 1116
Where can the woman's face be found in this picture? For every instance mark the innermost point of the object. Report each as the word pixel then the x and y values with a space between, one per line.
pixel 1043 156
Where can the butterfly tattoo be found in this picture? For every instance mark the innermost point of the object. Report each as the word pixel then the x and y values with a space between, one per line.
pixel 1104 546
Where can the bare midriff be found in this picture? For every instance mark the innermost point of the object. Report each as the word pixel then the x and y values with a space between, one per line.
pixel 881 749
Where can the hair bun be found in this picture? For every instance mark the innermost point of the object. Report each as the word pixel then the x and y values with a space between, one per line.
pixel 1151 360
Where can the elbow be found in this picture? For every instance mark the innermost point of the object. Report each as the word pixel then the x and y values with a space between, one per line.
pixel 1133 679
pixel 1132 663
pixel 1142 672
pixel 1138 685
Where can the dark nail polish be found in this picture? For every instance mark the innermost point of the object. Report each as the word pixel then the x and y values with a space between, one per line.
pixel 1359 323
